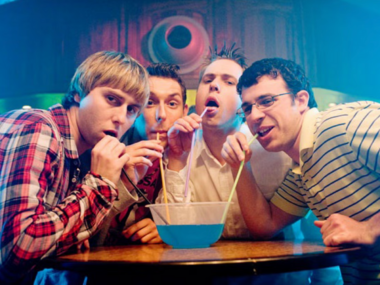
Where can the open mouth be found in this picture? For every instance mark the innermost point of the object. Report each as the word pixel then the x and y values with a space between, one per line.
pixel 212 104
pixel 264 131
pixel 111 133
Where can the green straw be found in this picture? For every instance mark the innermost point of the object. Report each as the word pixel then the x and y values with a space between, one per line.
pixel 236 181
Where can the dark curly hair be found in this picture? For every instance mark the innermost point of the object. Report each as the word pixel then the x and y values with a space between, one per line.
pixel 167 70
pixel 292 73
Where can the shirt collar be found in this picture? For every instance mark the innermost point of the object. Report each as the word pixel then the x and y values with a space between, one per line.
pixel 59 115
pixel 307 137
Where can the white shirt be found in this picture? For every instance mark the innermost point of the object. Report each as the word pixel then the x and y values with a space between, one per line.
pixel 211 181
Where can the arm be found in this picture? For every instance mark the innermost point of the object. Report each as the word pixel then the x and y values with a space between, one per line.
pixel 179 139
pixel 39 215
pixel 263 219
pixel 362 132
pixel 339 229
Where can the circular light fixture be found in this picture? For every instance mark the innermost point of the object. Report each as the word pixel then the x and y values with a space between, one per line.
pixel 179 40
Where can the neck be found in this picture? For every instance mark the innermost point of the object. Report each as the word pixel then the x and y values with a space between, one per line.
pixel 72 115
pixel 294 150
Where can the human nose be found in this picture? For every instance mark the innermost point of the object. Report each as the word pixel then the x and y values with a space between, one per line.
pixel 256 114
pixel 120 116
pixel 160 112
pixel 215 86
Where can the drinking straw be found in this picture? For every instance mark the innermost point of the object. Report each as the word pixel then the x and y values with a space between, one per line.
pixel 141 194
pixel 163 185
pixel 191 157
pixel 235 183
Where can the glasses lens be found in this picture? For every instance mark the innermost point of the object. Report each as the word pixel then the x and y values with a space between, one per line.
pixel 265 101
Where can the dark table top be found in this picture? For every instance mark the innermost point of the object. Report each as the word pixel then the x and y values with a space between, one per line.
pixel 223 258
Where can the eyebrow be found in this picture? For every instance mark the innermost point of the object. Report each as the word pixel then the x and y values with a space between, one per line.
pixel 223 75
pixel 228 76
pixel 170 95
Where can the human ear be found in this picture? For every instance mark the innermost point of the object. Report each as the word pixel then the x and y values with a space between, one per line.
pixel 77 98
pixel 185 110
pixel 302 101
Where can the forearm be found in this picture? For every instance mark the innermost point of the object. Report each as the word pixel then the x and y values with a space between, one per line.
pixel 38 231
pixel 373 226
pixel 263 219
pixel 176 162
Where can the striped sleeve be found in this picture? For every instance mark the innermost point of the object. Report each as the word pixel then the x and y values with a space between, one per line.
pixel 288 198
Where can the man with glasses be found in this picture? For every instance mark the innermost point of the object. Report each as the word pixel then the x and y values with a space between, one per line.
pixel 211 178
pixel 336 162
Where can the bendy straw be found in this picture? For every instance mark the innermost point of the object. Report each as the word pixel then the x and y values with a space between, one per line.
pixel 235 183
pixel 163 185
pixel 141 193
pixel 191 157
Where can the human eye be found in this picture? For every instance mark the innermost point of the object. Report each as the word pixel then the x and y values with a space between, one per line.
pixel 150 103
pixel 207 79
pixel 132 110
pixel 231 82
pixel 247 109
pixel 265 101
pixel 112 99
pixel 173 104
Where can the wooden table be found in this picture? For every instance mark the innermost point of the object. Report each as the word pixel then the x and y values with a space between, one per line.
pixel 224 258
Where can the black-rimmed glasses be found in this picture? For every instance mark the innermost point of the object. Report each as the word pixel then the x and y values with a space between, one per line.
pixel 261 103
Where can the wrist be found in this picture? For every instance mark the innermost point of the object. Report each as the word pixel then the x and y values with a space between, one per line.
pixel 177 161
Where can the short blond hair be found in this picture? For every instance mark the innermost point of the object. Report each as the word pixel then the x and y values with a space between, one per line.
pixel 111 69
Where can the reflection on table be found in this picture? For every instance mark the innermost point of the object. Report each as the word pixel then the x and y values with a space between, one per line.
pixel 224 258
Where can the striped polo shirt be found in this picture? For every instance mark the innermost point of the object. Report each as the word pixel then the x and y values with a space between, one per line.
pixel 339 172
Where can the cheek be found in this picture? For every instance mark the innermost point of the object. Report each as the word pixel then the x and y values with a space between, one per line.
pixel 149 117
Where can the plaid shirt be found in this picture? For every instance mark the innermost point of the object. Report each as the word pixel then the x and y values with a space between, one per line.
pixel 43 211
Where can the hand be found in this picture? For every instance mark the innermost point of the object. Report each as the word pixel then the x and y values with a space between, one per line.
pixel 339 229
pixel 181 133
pixel 84 245
pixel 232 151
pixel 108 157
pixel 144 230
pixel 141 156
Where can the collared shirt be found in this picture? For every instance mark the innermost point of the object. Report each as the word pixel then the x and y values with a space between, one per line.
pixel 211 181
pixel 44 210
pixel 339 172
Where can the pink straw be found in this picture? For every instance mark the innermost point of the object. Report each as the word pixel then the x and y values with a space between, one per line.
pixel 191 157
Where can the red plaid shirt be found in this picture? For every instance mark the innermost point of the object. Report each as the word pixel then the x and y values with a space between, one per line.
pixel 43 211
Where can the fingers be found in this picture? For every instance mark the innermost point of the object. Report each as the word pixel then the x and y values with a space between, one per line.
pixel 146 144
pixel 108 157
pixel 85 245
pixel 234 147
pixel 144 152
pixel 187 124
pixel 319 224
pixel 145 231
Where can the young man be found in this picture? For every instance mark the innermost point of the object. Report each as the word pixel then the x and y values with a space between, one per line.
pixel 336 165
pixel 166 104
pixel 210 177
pixel 45 209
